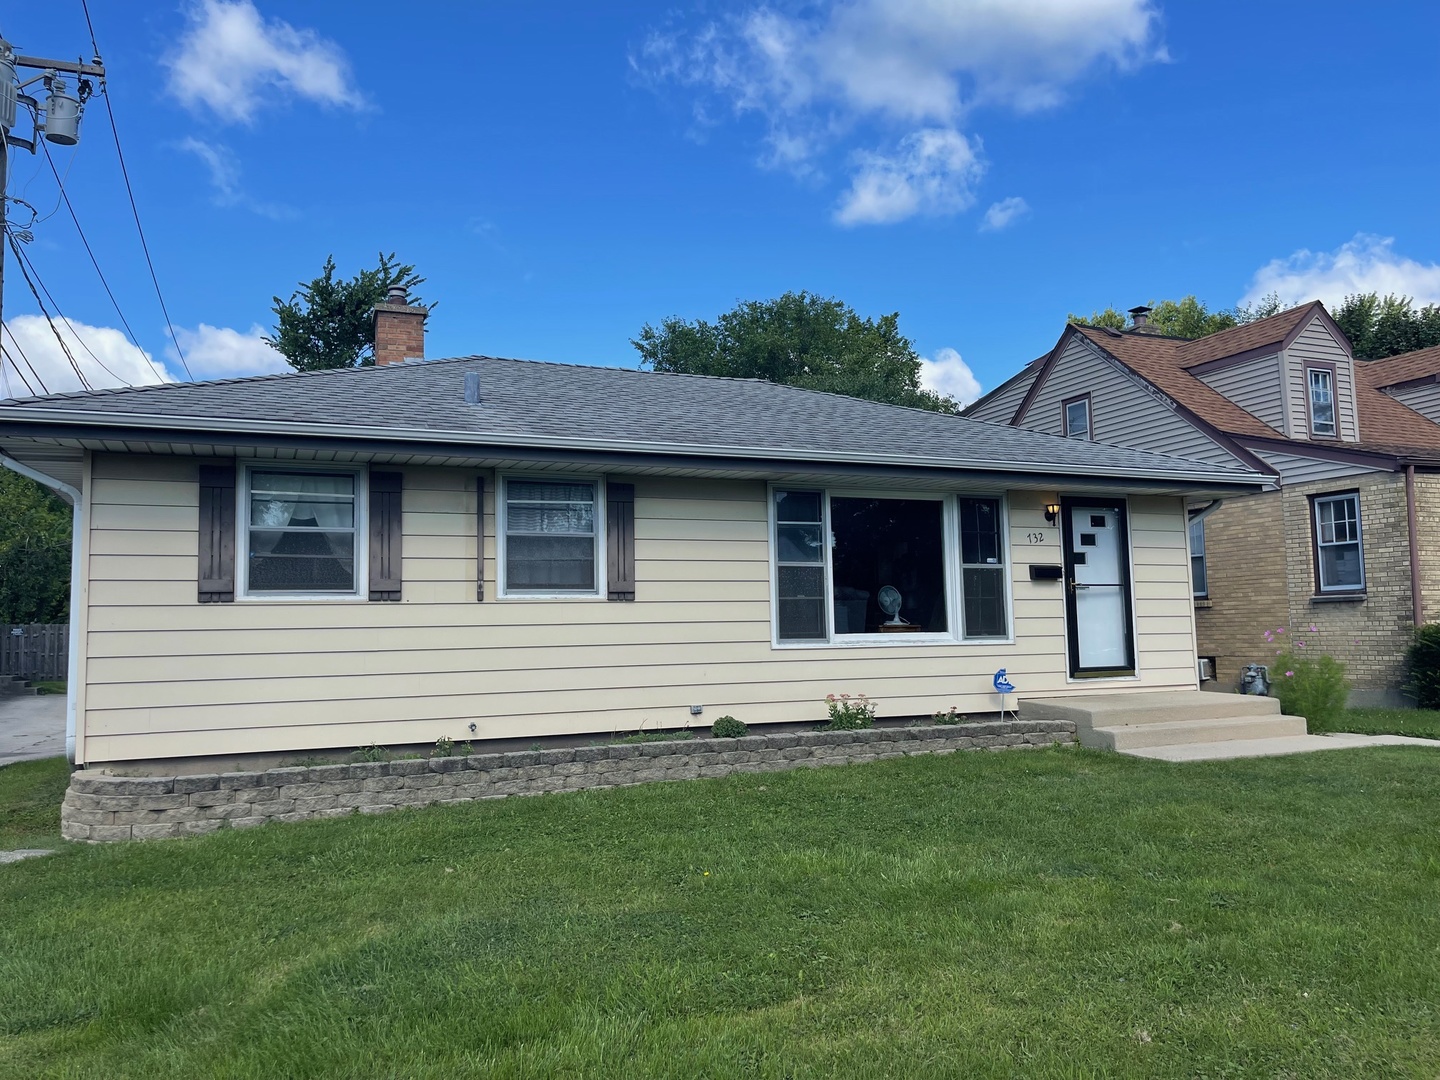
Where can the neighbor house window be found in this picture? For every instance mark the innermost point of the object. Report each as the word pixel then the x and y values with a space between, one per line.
pixel 1077 417
pixel 1339 563
pixel 302 532
pixel 1199 583
pixel 550 538
pixel 859 566
pixel 1322 401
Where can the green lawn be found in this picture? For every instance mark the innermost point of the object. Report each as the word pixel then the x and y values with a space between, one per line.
pixel 30 794
pixel 1052 913
pixel 1419 723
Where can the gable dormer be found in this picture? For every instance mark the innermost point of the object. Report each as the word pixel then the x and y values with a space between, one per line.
pixel 1319 371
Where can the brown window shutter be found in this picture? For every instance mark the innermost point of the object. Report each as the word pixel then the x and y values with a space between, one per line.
pixel 620 540
pixel 385 528
pixel 480 538
pixel 217 534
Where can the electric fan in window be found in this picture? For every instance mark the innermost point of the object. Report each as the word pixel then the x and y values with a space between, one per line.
pixel 890 600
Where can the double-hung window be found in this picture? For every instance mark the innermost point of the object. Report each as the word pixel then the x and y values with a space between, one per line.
pixel 550 538
pixel 1199 580
pixel 1077 417
pixel 302 532
pixel 1339 560
pixel 857 567
pixel 1321 383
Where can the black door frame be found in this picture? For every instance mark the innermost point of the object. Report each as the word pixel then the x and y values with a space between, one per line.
pixel 1072 630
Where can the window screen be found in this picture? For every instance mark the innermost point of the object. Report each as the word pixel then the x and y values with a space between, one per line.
pixel 982 563
pixel 549 537
pixel 301 532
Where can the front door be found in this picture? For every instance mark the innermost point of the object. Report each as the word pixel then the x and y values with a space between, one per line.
pixel 1097 588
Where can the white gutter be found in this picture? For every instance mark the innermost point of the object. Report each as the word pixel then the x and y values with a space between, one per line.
pixel 77 529
pixel 1215 504
pixel 228 426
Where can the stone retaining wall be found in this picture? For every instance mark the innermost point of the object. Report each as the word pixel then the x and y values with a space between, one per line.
pixel 103 808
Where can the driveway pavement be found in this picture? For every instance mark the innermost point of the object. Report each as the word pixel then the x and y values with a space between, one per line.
pixel 31 727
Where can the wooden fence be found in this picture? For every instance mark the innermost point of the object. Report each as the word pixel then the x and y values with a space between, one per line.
pixel 36 651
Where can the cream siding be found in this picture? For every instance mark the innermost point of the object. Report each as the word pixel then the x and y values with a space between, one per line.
pixel 1256 386
pixel 1123 410
pixel 1424 399
pixel 1000 409
pixel 169 677
pixel 1297 469
pixel 1316 342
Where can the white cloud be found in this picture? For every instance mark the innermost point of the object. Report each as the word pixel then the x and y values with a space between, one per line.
pixel 934 172
pixel 908 68
pixel 949 375
pixel 1367 263
pixel 1004 213
pixel 230 56
pixel 225 180
pixel 218 352
pixel 104 355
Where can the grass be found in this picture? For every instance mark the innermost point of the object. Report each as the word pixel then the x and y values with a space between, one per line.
pixel 1060 913
pixel 654 736
pixel 49 686
pixel 30 794
pixel 1418 723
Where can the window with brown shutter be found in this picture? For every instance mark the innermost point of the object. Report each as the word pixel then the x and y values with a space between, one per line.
pixel 620 540
pixel 385 535
pixel 217 534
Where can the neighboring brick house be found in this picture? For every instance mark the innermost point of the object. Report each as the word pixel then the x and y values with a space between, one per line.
pixel 1348 538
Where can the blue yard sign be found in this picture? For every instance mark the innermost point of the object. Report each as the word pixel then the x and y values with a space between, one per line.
pixel 1002 683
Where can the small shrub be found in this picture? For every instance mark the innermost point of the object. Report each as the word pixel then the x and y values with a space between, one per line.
pixel 849 713
pixel 1314 687
pixel 373 752
pixel 727 727
pixel 444 747
pixel 1423 662
pixel 949 716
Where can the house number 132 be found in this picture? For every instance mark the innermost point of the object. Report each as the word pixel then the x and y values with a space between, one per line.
pixel 1035 537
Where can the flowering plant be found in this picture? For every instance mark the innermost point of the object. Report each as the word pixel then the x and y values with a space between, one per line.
pixel 1307 681
pixel 849 713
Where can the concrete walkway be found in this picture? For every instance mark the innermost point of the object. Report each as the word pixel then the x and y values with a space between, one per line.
pixel 1290 744
pixel 31 727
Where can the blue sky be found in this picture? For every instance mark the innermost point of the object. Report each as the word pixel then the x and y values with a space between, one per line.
pixel 564 174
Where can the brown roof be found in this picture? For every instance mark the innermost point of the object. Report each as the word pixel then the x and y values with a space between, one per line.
pixel 1386 426
pixel 1420 364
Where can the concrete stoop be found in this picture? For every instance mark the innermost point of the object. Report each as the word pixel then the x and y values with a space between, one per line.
pixel 1137 721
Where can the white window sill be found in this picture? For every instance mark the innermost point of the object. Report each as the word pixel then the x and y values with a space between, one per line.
pixel 523 597
pixel 302 598
pixel 891 641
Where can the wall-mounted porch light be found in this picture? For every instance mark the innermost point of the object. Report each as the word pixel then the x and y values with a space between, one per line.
pixel 1052 512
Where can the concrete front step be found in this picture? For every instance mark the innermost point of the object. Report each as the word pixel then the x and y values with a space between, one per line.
pixel 1140 707
pixel 1181 732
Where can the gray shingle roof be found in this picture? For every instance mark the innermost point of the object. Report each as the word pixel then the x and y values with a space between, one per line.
pixel 530 403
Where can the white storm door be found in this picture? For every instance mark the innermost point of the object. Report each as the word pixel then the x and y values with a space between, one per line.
pixel 1098 584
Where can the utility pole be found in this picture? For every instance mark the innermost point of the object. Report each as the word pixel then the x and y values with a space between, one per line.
pixel 56 119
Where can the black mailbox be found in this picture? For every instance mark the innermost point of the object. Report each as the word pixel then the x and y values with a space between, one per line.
pixel 1045 572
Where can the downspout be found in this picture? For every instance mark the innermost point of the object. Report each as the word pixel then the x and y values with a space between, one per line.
pixel 77 529
pixel 1416 600
pixel 1197 516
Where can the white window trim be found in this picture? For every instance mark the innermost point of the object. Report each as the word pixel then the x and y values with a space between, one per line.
pixel 362 535
pixel 1075 433
pixel 950 523
pixel 1310 402
pixel 1359 542
pixel 502 499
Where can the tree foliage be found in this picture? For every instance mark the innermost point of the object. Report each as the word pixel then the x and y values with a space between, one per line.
pixel 799 339
pixel 326 323
pixel 1380 327
pixel 34 552
pixel 1187 318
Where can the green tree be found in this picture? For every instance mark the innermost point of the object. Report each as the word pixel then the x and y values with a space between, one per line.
pixel 800 340
pixel 1380 327
pixel 326 322
pixel 1187 318
pixel 34 552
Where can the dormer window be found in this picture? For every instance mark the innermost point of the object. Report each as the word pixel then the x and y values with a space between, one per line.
pixel 1321 382
pixel 1077 417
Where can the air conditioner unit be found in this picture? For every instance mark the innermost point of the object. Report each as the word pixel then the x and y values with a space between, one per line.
pixel 1205 668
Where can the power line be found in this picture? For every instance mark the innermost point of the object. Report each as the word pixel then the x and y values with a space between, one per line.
pixel 16 342
pixel 65 197
pixel 5 355
pixel 70 325
pixel 135 210
pixel 25 273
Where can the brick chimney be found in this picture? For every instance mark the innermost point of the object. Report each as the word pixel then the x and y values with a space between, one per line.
pixel 1140 320
pixel 399 328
